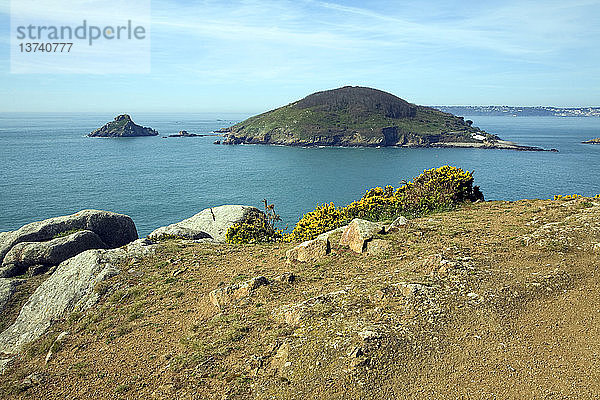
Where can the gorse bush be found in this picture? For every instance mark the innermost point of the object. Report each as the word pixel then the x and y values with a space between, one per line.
pixel 572 196
pixel 324 218
pixel 435 189
pixel 438 188
pixel 255 230
pixel 376 204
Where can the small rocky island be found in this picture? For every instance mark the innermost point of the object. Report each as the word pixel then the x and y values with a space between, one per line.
pixel 361 117
pixel 122 126
pixel 184 134
pixel 187 134
pixel 592 141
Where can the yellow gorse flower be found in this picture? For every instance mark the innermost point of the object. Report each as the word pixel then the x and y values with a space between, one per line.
pixel 434 189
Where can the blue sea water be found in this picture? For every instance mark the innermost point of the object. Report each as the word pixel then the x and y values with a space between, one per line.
pixel 48 168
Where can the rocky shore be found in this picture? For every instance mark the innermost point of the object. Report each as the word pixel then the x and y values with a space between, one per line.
pixel 408 141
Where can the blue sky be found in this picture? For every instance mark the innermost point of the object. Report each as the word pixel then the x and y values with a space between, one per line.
pixel 254 55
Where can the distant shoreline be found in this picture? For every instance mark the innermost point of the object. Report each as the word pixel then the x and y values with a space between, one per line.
pixel 515 111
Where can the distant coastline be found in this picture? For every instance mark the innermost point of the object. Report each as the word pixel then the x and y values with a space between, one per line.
pixel 515 111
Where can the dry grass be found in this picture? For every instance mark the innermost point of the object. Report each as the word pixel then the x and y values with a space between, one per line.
pixel 514 315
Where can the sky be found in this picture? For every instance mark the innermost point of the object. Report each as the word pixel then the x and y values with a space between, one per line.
pixel 253 55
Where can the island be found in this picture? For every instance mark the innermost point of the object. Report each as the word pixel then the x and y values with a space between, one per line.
pixel 592 141
pixel 355 116
pixel 122 126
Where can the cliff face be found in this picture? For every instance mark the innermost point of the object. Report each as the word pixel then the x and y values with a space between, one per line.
pixel 354 116
pixel 122 126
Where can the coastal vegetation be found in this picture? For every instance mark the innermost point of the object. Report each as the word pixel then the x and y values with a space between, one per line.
pixel 434 190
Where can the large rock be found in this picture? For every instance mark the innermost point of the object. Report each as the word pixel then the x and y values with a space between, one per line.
pixel 114 229
pixel 7 289
pixel 310 250
pixel 70 285
pixel 211 222
pixel 26 254
pixel 379 246
pixel 358 232
pixel 70 288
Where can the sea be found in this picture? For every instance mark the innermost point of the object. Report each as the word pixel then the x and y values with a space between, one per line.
pixel 49 168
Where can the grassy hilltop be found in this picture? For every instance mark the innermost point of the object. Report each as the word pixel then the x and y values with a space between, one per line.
pixel 481 300
pixel 354 116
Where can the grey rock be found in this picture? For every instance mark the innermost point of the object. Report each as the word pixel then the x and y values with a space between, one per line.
pixel 379 246
pixel 69 288
pixel 141 248
pixel 27 254
pixel 358 232
pixel 7 289
pixel 179 232
pixel 397 224
pixel 213 222
pixel 310 250
pixel 293 314
pixel 114 229
pixel 333 232
pixel 226 295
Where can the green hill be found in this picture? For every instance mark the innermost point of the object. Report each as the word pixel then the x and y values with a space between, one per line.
pixel 357 116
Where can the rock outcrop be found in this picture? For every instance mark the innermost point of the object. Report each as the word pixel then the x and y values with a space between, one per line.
pixel 52 252
pixel 359 232
pixel 395 226
pixel 7 289
pixel 223 296
pixel 122 126
pixel 70 288
pixel 209 223
pixel 114 230
pixel 310 250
